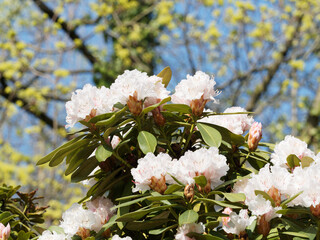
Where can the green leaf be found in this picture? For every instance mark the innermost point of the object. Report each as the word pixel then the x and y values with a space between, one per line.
pixel 78 158
pixel 306 161
pixel 147 142
pixel 84 170
pixel 60 155
pixel 49 156
pixel 112 120
pixel 173 188
pixel 200 180
pixel 265 196
pixel 103 152
pixel 293 161
pixel 199 236
pixel 101 117
pixel 188 216
pixel 145 225
pixel 294 211
pixel 56 229
pixel 235 197
pixel 211 136
pixel 212 224
pixel 132 216
pixel 162 230
pixel 165 74
pixel 220 203
pixel 284 204
pixel 150 108
pixel 180 108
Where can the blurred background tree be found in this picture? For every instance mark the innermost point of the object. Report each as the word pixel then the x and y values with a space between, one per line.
pixel 264 55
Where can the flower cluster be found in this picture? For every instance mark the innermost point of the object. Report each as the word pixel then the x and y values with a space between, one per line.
pixel 157 170
pixel 79 221
pixel 185 166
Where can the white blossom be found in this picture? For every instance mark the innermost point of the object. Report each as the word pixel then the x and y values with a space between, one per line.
pixel 193 88
pixel 186 228
pixel 89 101
pixel 47 235
pixel 207 162
pixel 135 81
pixel 116 237
pixel 150 166
pixel 290 145
pixel 76 217
pixel 236 123
pixel 307 181
pixel 237 223
pixel 101 206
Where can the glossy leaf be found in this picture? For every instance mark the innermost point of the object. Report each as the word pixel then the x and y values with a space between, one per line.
pixel 211 136
pixel 188 216
pixel 145 225
pixel 150 108
pixel 173 188
pixel 84 170
pixel 180 108
pixel 147 142
pixel 103 152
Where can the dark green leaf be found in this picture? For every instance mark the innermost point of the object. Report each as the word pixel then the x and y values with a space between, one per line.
pixel 220 203
pixel 84 170
pixel 145 225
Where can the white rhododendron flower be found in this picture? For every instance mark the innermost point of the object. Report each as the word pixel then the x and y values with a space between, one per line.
pixel 236 123
pixel 116 237
pixel 88 102
pixel 76 218
pixel 235 223
pixel 275 181
pixel 47 235
pixel 5 231
pixel 193 88
pixel 151 166
pixel 206 162
pixel 307 181
pixel 290 145
pixel 186 228
pixel 139 83
pixel 101 206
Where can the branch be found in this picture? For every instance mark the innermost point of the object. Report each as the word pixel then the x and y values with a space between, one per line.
pixel 272 70
pixel 67 29
pixel 13 98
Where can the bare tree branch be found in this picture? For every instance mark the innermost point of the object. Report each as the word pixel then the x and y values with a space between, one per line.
pixel 67 29
pixel 272 70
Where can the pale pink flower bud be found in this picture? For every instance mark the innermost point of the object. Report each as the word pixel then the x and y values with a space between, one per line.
pixel 5 231
pixel 255 135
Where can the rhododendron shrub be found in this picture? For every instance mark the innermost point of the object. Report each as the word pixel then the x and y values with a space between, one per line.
pixel 164 167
